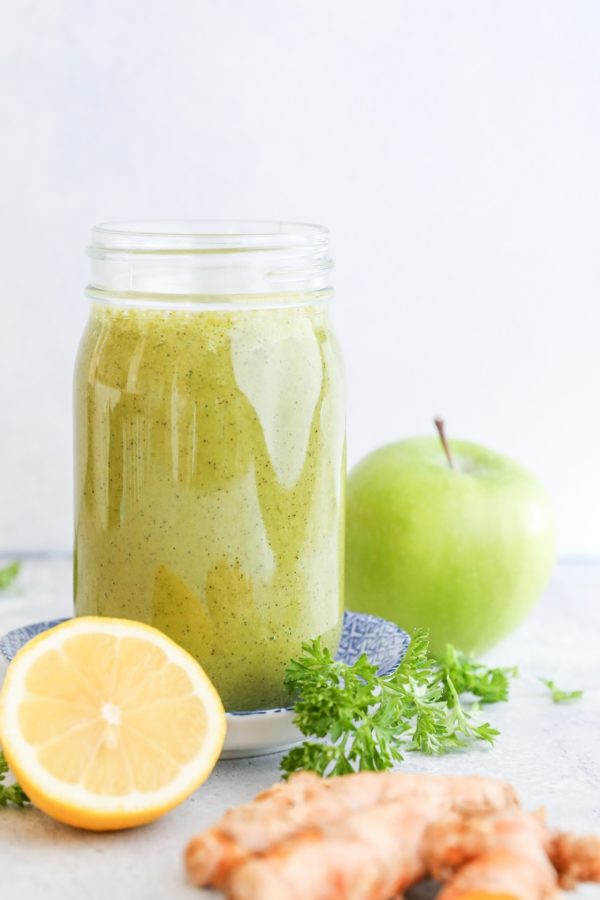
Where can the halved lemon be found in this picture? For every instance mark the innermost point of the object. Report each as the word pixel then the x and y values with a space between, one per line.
pixel 108 723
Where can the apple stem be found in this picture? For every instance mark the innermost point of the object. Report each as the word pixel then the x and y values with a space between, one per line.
pixel 439 424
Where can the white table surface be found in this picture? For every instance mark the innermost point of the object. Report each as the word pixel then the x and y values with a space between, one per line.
pixel 550 752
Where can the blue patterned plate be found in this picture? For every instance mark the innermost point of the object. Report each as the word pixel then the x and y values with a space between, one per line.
pixel 261 731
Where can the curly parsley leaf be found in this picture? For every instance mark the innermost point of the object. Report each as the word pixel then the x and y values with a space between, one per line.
pixel 472 677
pixel 558 695
pixel 356 720
pixel 9 573
pixel 13 794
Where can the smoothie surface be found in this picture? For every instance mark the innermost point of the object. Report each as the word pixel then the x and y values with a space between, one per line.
pixel 209 452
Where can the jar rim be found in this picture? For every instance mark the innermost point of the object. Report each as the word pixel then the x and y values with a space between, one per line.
pixel 205 236
pixel 195 259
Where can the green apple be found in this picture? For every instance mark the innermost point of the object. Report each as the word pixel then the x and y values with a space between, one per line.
pixel 461 544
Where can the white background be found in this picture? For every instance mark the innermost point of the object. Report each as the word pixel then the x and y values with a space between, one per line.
pixel 452 147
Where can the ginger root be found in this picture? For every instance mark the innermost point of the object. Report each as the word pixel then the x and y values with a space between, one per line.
pixel 498 853
pixel 575 859
pixel 370 836
pixel 308 801
pixel 373 853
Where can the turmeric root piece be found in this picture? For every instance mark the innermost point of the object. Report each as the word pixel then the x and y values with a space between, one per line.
pixel 371 855
pixel 575 859
pixel 307 801
pixel 511 852
pixel 485 895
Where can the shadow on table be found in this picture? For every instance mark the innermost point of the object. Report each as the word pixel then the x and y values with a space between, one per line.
pixel 426 890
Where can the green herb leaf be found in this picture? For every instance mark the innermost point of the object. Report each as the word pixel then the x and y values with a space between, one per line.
pixel 9 573
pixel 472 677
pixel 355 720
pixel 11 795
pixel 558 695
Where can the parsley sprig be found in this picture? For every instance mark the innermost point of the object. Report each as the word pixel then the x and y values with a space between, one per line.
pixel 9 573
pixel 558 695
pixel 471 677
pixel 13 794
pixel 355 719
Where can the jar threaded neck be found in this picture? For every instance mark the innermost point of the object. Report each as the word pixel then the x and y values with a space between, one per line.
pixel 208 258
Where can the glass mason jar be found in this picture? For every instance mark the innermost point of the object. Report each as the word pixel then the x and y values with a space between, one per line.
pixel 209 444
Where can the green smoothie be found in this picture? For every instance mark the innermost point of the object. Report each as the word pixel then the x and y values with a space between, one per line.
pixel 209 461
